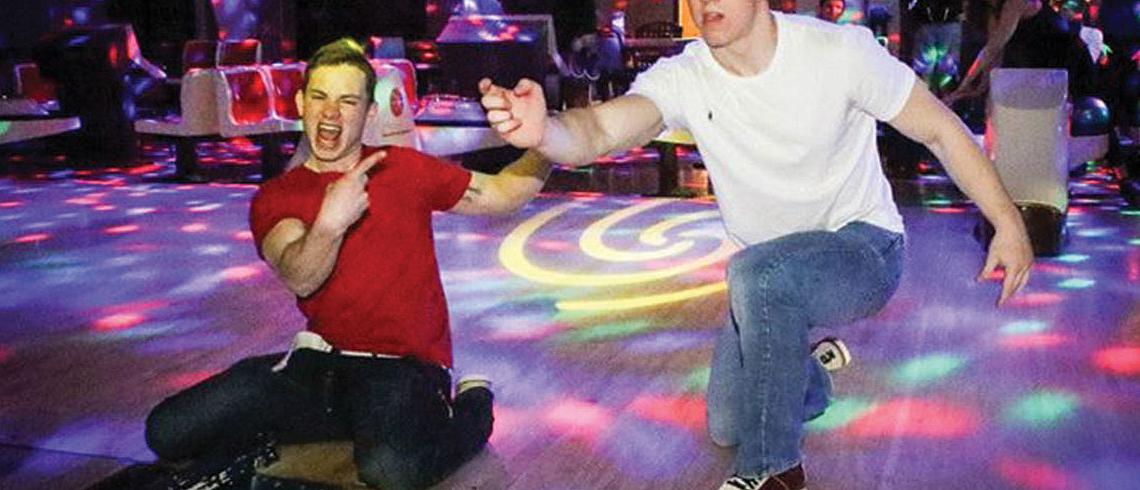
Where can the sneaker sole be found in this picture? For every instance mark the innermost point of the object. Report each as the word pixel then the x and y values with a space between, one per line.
pixel 843 354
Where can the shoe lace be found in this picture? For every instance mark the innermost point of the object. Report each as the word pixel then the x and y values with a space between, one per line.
pixel 743 483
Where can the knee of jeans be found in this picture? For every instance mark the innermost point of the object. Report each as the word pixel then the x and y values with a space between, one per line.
pixel 384 467
pixel 755 276
pixel 722 432
pixel 162 434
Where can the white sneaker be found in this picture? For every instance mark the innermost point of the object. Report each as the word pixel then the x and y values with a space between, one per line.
pixel 832 353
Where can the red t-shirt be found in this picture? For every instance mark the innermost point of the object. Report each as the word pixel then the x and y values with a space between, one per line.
pixel 384 294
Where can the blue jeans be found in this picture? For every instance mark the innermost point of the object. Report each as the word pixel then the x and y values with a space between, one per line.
pixel 764 382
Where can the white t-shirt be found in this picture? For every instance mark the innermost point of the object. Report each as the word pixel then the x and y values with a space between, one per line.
pixel 792 148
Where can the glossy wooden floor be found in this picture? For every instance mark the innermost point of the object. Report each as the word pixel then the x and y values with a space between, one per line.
pixel 117 289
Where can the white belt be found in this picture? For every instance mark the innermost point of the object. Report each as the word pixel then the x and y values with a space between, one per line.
pixel 313 341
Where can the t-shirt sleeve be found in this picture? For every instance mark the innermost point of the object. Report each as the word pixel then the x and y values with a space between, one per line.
pixel 881 84
pixel 439 183
pixel 660 85
pixel 265 211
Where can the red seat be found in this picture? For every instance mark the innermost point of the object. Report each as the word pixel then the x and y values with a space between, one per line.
pixel 286 80
pixel 30 85
pixel 245 103
pixel 245 52
pixel 408 70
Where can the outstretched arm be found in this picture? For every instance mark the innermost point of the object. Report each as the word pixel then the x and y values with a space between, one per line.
pixel 926 120
pixel 506 191
pixel 576 137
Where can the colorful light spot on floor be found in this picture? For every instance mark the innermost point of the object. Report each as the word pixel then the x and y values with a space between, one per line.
pixel 697 381
pixel 1035 475
pixel 1033 300
pixel 240 272
pixel 1072 258
pixel 1042 409
pixel 840 413
pixel 194 227
pixel 1076 283
pixel 1022 327
pixel 1034 341
pixel 604 331
pixel 118 321
pixel 1124 360
pixel 31 238
pixel 121 230
pixel 185 380
pixel 687 412
pixel 577 418
pixel 918 418
pixel 927 369
pixel 1096 232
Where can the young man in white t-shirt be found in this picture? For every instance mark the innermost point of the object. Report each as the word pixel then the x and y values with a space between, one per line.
pixel 783 109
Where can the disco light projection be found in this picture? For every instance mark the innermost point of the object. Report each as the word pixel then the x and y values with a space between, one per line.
pixel 1076 283
pixel 1042 409
pixel 512 255
pixel 927 369
pixel 1022 327
pixel 1033 474
pixel 1122 360
pixel 839 413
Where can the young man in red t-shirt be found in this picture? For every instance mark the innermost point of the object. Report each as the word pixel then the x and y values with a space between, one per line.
pixel 349 232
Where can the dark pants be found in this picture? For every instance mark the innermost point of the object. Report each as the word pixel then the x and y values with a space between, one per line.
pixel 407 432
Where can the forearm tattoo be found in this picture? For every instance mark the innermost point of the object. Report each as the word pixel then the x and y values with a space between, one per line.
pixel 472 193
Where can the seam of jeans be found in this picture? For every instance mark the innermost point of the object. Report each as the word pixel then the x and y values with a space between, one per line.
pixel 776 267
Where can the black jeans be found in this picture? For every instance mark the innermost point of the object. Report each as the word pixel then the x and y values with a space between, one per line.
pixel 406 429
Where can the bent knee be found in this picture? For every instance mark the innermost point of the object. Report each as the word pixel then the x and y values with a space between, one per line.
pixel 387 468
pixel 163 434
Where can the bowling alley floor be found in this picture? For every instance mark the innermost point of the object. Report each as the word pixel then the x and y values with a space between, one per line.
pixel 594 313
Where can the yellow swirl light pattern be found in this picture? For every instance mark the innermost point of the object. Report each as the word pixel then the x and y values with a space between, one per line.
pixel 512 254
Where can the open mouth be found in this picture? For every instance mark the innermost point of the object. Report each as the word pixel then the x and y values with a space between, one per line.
pixel 328 134
pixel 711 18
